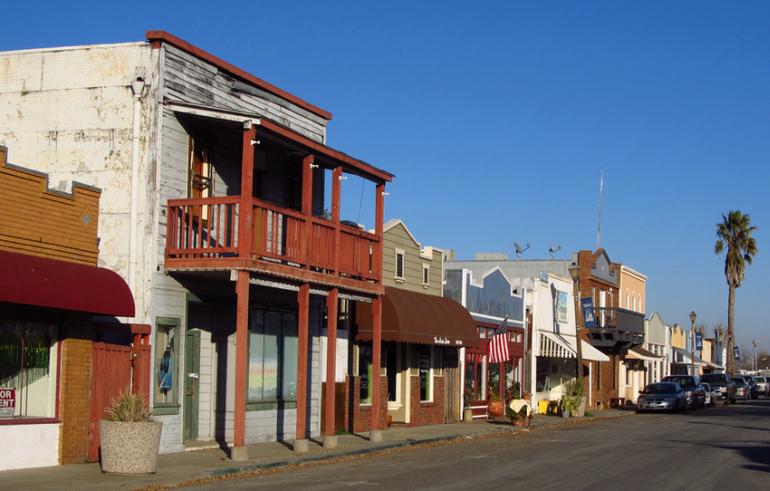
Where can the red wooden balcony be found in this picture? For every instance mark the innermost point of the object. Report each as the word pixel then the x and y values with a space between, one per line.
pixel 204 233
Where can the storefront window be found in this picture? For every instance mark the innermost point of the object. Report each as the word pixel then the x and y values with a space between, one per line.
pixel 273 356
pixel 365 373
pixel 166 362
pixel 28 366
pixel 426 373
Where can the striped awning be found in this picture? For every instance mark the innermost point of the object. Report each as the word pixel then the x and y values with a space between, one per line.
pixel 554 345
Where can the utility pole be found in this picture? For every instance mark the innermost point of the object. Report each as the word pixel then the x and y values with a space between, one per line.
pixel 755 344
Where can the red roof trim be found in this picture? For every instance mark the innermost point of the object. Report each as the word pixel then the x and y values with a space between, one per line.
pixel 325 150
pixel 163 36
pixel 54 284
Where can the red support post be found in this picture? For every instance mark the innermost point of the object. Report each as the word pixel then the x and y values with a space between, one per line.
pixel 375 432
pixel 307 206
pixel 336 185
pixel 330 438
pixel 241 365
pixel 246 212
pixel 303 317
pixel 379 211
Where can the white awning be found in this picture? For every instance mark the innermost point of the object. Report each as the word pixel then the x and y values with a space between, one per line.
pixel 554 345
pixel 642 354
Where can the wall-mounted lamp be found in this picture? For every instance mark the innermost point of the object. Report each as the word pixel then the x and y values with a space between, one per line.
pixel 255 142
pixel 343 178
pixel 313 166
pixel 385 193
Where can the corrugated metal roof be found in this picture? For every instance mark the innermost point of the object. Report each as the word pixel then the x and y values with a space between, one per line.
pixel 513 268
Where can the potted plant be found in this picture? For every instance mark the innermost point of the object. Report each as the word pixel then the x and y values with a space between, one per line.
pixel 496 406
pixel 569 406
pixel 518 411
pixel 129 438
pixel 575 389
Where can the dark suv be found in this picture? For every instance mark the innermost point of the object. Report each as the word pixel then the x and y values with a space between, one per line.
pixel 696 396
pixel 722 384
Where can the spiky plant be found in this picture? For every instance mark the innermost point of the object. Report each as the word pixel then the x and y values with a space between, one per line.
pixel 128 408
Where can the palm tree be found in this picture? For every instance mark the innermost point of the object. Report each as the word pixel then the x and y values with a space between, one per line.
pixel 734 234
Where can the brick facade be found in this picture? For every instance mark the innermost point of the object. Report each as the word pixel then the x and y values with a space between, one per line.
pixel 74 398
pixel 362 413
pixel 427 413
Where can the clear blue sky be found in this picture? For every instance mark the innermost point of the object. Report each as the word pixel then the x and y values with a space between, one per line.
pixel 497 117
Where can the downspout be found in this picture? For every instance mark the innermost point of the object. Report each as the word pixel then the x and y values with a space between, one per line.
pixel 137 89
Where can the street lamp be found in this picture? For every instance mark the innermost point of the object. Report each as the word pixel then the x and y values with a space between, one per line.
pixel 693 316
pixel 575 274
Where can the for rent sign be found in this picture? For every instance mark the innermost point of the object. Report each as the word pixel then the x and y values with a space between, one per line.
pixel 7 402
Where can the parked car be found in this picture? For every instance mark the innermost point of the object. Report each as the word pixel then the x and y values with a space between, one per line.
pixel 723 384
pixel 742 389
pixel 695 397
pixel 711 394
pixel 763 385
pixel 661 396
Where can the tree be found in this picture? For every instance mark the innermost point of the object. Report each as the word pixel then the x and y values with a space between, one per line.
pixel 734 236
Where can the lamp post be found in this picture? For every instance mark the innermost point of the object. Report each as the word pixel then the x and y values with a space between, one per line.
pixel 693 316
pixel 755 344
pixel 575 273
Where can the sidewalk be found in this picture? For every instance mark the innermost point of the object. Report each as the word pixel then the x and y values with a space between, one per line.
pixel 178 468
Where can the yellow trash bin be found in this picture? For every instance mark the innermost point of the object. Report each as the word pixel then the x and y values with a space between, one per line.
pixel 542 407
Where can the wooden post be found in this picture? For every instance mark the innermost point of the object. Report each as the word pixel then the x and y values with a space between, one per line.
pixel 375 432
pixel 336 185
pixel 307 206
pixel 303 306
pixel 246 212
pixel 379 210
pixel 239 453
pixel 330 438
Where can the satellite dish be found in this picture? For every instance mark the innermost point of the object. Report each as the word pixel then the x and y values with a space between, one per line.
pixel 553 250
pixel 520 249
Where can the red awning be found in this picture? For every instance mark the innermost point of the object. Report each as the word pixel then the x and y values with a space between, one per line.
pixel 50 283
pixel 419 318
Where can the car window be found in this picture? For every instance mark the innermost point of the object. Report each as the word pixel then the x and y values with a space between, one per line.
pixel 660 388
pixel 761 380
pixel 713 377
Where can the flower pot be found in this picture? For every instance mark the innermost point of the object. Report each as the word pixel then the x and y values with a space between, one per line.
pixel 565 413
pixel 129 448
pixel 496 409
pixel 468 415
pixel 581 410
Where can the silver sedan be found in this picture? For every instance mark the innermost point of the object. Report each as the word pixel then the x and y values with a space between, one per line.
pixel 661 396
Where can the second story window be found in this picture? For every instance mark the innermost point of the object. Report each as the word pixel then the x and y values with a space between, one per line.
pixel 426 275
pixel 399 264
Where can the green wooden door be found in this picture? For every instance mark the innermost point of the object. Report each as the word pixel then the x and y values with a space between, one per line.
pixel 192 362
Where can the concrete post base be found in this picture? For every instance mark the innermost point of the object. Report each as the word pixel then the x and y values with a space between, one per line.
pixel 330 441
pixel 239 454
pixel 301 446
pixel 375 436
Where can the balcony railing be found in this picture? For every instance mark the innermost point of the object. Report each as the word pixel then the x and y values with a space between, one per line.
pixel 619 320
pixel 207 228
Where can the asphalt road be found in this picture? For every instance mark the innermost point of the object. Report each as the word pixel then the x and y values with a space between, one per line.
pixel 725 448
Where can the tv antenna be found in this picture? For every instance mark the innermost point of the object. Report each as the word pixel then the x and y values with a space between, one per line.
pixel 519 249
pixel 601 205
pixel 553 250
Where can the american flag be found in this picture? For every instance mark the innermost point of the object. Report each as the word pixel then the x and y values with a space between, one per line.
pixel 498 346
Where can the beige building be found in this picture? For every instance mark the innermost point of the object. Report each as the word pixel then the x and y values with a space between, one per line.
pixel 633 367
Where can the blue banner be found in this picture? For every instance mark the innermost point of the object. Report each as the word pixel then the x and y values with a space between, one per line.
pixel 737 353
pixel 699 341
pixel 587 305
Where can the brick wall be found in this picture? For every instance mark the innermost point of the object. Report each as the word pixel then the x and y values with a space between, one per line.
pixel 362 414
pixel 74 393
pixel 607 390
pixel 427 413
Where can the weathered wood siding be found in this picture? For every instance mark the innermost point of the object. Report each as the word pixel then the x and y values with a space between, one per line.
pixel 35 220
pixel 187 78
pixel 397 237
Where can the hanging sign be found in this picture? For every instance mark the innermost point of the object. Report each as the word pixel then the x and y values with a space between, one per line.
pixel 737 353
pixel 587 305
pixel 699 341
pixel 7 402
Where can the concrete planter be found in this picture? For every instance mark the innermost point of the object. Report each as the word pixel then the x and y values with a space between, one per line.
pixel 468 415
pixel 581 410
pixel 129 448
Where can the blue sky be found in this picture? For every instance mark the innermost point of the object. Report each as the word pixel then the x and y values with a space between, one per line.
pixel 496 118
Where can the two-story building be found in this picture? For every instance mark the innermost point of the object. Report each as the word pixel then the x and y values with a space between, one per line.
pixel 422 331
pixel 64 354
pixel 604 324
pixel 657 341
pixel 214 211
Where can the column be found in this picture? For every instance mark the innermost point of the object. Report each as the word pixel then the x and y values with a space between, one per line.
pixel 330 436
pixel 303 315
pixel 246 210
pixel 375 431
pixel 238 452
pixel 308 164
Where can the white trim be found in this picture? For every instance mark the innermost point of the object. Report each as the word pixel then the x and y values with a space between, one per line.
pixel 398 251
pixel 392 223
pixel 425 267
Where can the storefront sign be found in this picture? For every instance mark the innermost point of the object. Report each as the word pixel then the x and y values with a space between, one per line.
pixel 440 340
pixel 699 341
pixel 560 309
pixel 7 402
pixel 587 305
